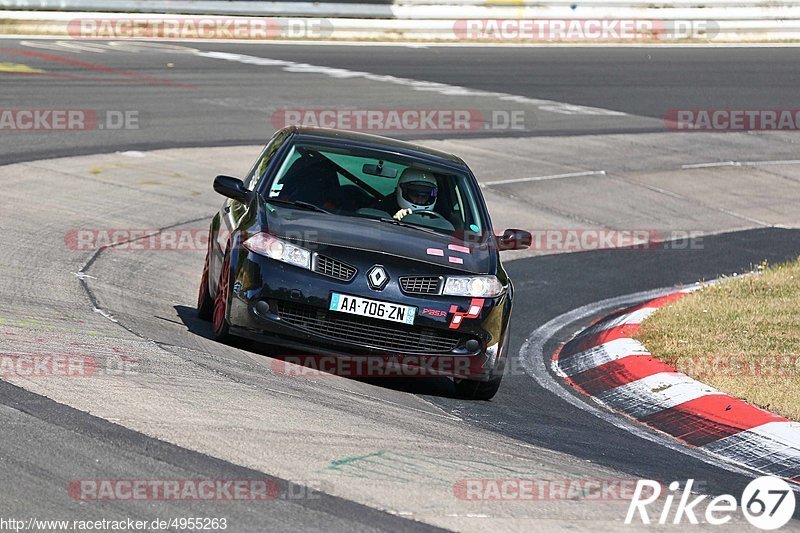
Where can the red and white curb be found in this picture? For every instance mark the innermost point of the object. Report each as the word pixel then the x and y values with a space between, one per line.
pixel 606 363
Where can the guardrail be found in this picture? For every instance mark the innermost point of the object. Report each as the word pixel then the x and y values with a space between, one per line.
pixel 574 4
pixel 442 20
pixel 317 8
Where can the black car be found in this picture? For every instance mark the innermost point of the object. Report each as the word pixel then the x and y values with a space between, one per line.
pixel 345 244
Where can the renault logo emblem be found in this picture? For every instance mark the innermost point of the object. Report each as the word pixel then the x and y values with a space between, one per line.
pixel 377 278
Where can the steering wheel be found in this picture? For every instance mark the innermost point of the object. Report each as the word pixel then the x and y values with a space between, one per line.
pixel 431 214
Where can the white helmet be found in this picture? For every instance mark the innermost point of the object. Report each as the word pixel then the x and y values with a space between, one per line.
pixel 417 190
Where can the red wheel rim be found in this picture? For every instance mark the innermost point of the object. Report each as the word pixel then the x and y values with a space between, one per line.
pixel 221 300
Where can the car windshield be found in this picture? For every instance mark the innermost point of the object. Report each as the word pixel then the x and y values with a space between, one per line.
pixel 378 185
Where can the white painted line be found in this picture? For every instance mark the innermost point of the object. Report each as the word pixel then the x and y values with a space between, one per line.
pixel 655 393
pixel 105 314
pixel 96 48
pixel 773 162
pixel 532 358
pixel 545 178
pixel 133 47
pixel 785 432
pixel 712 165
pixel 773 447
pixel 781 435
pixel 634 317
pixel 743 163
pixel 417 85
pixel 56 46
pixel 600 355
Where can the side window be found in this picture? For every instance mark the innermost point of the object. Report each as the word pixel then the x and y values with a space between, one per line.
pixel 457 207
pixel 278 183
pixel 257 172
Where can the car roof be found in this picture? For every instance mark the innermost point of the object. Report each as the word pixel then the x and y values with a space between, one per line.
pixel 366 140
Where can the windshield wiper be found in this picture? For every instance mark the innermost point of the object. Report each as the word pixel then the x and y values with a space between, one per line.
pixel 300 204
pixel 407 225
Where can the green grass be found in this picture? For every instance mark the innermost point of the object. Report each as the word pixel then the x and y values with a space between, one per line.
pixel 741 336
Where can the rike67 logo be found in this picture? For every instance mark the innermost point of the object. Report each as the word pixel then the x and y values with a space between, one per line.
pixel 767 502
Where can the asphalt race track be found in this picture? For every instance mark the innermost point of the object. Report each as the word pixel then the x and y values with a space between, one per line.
pixel 353 454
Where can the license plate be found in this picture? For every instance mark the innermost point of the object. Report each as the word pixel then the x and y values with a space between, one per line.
pixel 372 308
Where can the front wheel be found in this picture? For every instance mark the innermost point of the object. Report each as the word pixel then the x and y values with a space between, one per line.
pixel 472 389
pixel 205 303
pixel 220 327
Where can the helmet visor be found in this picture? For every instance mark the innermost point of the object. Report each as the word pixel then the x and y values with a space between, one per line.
pixel 419 192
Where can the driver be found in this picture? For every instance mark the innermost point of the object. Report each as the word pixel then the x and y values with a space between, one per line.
pixel 416 191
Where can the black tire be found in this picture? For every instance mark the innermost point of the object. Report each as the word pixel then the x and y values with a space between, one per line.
pixel 205 303
pixel 471 389
pixel 220 327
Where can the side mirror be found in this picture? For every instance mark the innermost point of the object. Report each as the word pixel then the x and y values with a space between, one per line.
pixel 231 187
pixel 514 239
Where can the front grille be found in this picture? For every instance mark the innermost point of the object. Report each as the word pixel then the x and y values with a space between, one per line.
pixel 367 332
pixel 421 284
pixel 333 268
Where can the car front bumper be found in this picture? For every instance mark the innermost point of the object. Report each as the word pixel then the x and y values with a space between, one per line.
pixel 283 305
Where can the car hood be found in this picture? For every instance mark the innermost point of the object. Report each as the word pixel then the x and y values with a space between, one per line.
pixel 356 233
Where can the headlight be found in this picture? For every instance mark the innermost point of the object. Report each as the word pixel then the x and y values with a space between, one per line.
pixel 274 248
pixel 474 286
